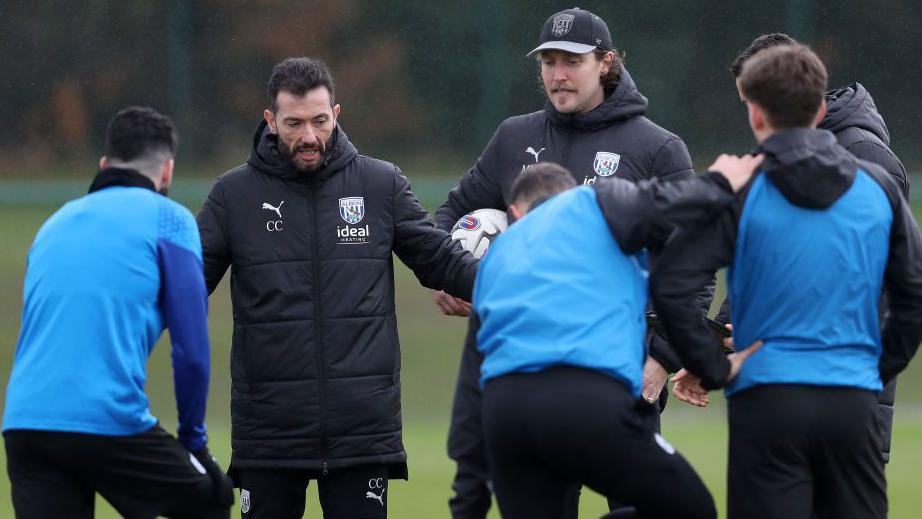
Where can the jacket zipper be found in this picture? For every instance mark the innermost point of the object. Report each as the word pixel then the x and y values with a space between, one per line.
pixel 321 380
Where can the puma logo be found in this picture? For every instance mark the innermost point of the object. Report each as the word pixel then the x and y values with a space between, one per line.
pixel 533 152
pixel 372 495
pixel 278 210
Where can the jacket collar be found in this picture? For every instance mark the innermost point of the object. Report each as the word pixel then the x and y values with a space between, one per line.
pixel 265 156
pixel 110 177
pixel 624 103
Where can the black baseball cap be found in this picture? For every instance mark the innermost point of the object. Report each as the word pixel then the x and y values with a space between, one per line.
pixel 574 30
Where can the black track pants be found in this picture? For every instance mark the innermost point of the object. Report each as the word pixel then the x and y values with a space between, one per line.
pixel 351 493
pixel 803 452
pixel 56 474
pixel 545 431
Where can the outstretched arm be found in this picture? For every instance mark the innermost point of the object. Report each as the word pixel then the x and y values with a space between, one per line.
pixel 645 213
pixel 437 261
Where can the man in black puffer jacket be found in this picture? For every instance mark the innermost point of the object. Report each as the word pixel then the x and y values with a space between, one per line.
pixel 309 228
pixel 853 118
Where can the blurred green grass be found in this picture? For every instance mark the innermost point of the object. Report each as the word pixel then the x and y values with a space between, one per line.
pixel 431 346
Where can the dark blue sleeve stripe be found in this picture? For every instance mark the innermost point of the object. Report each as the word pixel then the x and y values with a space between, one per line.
pixel 184 303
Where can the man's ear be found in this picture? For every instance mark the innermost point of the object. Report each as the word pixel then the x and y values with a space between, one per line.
pixel 607 62
pixel 820 114
pixel 756 117
pixel 269 116
pixel 517 213
pixel 166 173
pixel 336 109
pixel 103 162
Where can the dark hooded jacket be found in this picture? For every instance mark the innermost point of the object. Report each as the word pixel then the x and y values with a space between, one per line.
pixel 613 140
pixel 853 117
pixel 315 360
pixel 811 171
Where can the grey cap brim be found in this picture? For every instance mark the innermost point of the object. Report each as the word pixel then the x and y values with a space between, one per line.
pixel 568 46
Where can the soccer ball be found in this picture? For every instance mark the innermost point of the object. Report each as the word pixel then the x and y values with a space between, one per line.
pixel 476 230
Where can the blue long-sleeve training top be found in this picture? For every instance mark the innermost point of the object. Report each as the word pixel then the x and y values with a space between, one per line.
pixel 105 274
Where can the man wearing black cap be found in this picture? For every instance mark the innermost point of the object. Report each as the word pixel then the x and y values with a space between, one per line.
pixel 592 124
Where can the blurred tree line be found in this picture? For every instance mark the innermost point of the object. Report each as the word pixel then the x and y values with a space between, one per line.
pixel 420 81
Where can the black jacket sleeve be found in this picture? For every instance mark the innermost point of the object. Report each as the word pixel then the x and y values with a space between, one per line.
pixel 478 189
pixel 902 330
pixel 689 260
pixel 723 315
pixel 438 262
pixel 873 152
pixel 672 162
pixel 643 214
pixel 212 226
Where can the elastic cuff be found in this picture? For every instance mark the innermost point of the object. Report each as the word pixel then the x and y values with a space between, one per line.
pixel 717 376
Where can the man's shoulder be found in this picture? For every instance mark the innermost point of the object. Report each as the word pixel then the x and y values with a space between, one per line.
pixel 237 174
pixel 648 130
pixel 863 144
pixel 177 224
pixel 522 122
pixel 375 166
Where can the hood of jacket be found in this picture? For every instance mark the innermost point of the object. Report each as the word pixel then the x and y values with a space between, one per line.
pixel 265 155
pixel 625 102
pixel 853 107
pixel 808 166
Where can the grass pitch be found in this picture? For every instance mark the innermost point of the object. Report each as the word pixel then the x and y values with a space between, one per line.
pixel 431 349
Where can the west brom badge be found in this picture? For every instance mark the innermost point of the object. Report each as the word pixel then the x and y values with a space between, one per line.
pixel 352 209
pixel 562 24
pixel 605 164
pixel 244 500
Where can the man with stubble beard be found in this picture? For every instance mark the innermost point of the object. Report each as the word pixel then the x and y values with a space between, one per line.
pixel 309 228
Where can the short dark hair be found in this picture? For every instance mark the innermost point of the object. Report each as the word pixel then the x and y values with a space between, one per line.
pixel 787 83
pixel 766 41
pixel 298 76
pixel 540 181
pixel 138 132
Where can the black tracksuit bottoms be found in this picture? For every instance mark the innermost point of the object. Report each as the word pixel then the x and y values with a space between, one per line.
pixel 349 493
pixel 546 431
pixel 146 475
pixel 471 484
pixel 803 452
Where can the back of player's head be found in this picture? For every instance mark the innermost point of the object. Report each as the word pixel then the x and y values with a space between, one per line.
pixel 298 76
pixel 766 41
pixel 539 182
pixel 787 83
pixel 140 138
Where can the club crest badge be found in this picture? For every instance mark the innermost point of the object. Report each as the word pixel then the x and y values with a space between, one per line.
pixel 605 163
pixel 244 500
pixel 352 209
pixel 562 24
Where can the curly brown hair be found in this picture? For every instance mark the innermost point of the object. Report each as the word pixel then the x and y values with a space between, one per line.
pixel 613 77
